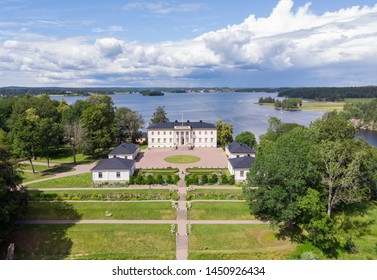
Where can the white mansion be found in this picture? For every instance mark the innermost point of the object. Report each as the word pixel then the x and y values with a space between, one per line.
pixel 182 134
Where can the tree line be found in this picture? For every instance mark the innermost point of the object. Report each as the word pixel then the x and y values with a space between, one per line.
pixel 309 182
pixel 330 93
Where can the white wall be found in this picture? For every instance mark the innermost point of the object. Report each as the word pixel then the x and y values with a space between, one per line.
pixel 168 138
pixel 110 176
pixel 133 156
pixel 237 173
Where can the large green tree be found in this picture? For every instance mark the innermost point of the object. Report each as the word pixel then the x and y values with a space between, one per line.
pixel 128 124
pixel 13 200
pixel 159 116
pixel 98 120
pixel 224 133
pixel 246 137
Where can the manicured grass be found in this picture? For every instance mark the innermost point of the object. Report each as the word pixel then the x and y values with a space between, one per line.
pixel 95 242
pixel 161 171
pixel 64 155
pixel 104 195
pixel 76 181
pixel 45 169
pixel 180 159
pixel 219 211
pixel 143 147
pixel 98 210
pixel 29 176
pixel 219 194
pixel 236 242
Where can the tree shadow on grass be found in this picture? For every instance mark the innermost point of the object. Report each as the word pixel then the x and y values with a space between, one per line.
pixel 36 240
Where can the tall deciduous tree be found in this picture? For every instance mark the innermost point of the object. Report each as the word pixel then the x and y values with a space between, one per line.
pixel 98 119
pixel 246 137
pixel 159 116
pixel 128 123
pixel 13 201
pixel 224 133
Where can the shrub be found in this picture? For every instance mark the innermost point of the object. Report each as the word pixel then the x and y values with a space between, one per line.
pixel 132 180
pixel 224 179
pixel 204 179
pixel 159 179
pixel 150 180
pixel 169 179
pixel 231 180
pixel 307 251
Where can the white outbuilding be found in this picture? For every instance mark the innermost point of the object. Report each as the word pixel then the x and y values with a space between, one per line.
pixel 113 170
pixel 125 150
pixel 240 166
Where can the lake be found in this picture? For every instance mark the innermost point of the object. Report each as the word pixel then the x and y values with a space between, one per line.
pixel 239 108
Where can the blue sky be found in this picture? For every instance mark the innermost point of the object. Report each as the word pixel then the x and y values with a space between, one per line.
pixel 234 43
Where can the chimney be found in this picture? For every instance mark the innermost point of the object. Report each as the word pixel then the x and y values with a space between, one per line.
pixel 200 121
pixel 188 120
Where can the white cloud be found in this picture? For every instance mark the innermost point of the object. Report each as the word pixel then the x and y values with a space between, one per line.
pixel 284 42
pixel 110 29
pixel 163 7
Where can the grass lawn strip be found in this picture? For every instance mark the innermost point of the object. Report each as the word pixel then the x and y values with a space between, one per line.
pixel 101 211
pixel 182 159
pixel 94 242
pixel 219 211
pixel 236 242
pixel 162 171
pixel 75 181
pixel 29 176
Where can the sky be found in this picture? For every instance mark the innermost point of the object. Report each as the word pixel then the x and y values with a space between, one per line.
pixel 172 43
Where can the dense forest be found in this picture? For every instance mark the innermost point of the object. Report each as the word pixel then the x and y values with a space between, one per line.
pixel 330 93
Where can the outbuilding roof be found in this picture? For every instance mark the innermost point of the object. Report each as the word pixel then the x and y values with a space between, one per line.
pixel 236 147
pixel 114 164
pixel 171 125
pixel 242 162
pixel 124 149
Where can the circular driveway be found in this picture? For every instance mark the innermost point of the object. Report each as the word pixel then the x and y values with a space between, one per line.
pixel 209 158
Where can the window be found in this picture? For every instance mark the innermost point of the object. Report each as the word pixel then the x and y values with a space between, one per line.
pixel 200 139
pixel 118 174
pixel 171 140
pixel 164 132
pixel 158 140
pixel 152 133
pixel 211 132
pixel 242 173
pixel 164 140
pixel 200 132
pixel 158 133
pixel 170 133
pixel 206 140
pixel 100 175
pixel 193 133
pixel 205 132
pixel 211 139
pixel 152 140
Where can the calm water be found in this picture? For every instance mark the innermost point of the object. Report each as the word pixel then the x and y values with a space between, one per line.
pixel 238 108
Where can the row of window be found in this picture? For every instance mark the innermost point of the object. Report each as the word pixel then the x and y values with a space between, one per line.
pixel 100 175
pixel 171 140
pixel 187 133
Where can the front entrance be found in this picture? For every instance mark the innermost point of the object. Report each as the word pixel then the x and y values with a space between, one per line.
pixel 182 141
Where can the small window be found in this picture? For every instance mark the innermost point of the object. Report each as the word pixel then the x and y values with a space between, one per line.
pixel 200 132
pixel 152 133
pixel 205 139
pixel 152 140
pixel 242 173
pixel 118 174
pixel 211 139
pixel 164 140
pixel 158 140
pixel 164 132
pixel 170 133
pixel 158 133
pixel 171 140
pixel 205 132
pixel 211 132
pixel 100 175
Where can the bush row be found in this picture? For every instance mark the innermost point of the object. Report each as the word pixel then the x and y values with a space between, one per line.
pixel 215 196
pixel 172 195
pixel 210 180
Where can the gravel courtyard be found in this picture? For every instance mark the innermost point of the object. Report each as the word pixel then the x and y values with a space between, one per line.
pixel 209 158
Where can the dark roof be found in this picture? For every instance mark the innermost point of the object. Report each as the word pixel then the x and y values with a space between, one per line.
pixel 242 162
pixel 171 125
pixel 114 164
pixel 237 147
pixel 124 149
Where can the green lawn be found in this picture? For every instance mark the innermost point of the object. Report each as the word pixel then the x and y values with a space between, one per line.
pixel 99 210
pixel 218 194
pixel 322 106
pixel 181 159
pixel 236 242
pixel 104 195
pixel 45 169
pixel 95 242
pixel 29 176
pixel 76 181
pixel 64 155
pixel 219 211
pixel 162 171
pixel 143 147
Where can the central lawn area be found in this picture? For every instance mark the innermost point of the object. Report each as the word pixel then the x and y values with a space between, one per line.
pixel 219 211
pixel 41 172
pixel 99 210
pixel 161 171
pixel 76 181
pixel 182 159
pixel 29 176
pixel 237 242
pixel 94 242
